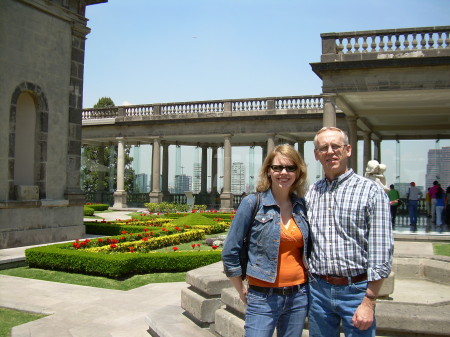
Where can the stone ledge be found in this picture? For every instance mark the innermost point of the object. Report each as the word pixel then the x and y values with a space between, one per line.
pixel 431 269
pixel 209 280
pixel 201 308
pixel 170 321
pixel 420 320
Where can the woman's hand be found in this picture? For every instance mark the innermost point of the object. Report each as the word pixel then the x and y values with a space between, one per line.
pixel 238 284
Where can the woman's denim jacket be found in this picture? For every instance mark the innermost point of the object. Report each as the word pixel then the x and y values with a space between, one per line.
pixel 264 241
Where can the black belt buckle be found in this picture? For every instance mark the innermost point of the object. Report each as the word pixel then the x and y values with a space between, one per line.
pixel 290 290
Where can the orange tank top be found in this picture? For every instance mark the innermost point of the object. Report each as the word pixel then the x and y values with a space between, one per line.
pixel 291 270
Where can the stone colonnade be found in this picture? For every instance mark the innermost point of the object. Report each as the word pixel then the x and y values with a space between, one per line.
pixel 159 187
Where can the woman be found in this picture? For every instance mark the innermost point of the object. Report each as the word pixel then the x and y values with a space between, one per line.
pixel 440 204
pixel 277 293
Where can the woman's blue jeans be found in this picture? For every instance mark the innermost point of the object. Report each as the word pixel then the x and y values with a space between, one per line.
pixel 286 313
pixel 329 305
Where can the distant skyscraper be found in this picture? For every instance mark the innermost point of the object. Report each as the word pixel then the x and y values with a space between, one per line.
pixel 238 178
pixel 182 183
pixel 197 178
pixel 141 183
pixel 438 167
pixel 445 167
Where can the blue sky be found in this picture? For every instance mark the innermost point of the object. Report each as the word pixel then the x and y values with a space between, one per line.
pixel 142 52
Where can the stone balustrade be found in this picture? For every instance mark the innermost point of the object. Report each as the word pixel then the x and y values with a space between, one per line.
pixel 306 104
pixel 390 43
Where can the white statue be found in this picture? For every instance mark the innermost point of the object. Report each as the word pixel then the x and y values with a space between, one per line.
pixel 375 171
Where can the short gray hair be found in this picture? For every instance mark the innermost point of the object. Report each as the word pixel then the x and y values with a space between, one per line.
pixel 330 128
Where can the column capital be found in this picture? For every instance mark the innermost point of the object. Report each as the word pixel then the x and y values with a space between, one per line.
pixel 329 98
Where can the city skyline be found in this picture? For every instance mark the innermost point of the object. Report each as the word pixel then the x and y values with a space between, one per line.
pixel 416 173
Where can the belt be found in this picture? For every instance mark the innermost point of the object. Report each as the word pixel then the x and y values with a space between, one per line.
pixel 343 281
pixel 279 291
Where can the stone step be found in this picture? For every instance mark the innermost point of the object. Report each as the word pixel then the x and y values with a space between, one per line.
pixel 172 321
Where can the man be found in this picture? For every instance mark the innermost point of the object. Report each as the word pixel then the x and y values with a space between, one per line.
pixel 394 198
pixel 352 243
pixel 413 195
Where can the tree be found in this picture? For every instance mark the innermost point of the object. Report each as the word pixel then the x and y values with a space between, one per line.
pixel 98 164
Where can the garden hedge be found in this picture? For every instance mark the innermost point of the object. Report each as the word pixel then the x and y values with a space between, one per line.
pixel 55 257
pixel 98 207
pixel 88 211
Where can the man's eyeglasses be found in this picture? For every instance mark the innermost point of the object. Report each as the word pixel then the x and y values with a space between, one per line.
pixel 279 168
pixel 334 148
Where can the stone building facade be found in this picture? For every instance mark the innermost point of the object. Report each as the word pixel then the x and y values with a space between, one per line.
pixel 42 47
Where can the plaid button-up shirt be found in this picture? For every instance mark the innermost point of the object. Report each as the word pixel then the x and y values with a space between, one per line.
pixel 350 227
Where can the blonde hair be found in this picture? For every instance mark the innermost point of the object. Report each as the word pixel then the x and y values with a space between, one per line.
pixel 289 152
pixel 330 128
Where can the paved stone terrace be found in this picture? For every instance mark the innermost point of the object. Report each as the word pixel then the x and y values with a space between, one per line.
pixel 80 311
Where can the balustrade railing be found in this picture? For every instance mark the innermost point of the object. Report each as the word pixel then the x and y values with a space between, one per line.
pixel 138 110
pixel 304 102
pixel 409 42
pixel 100 113
pixel 310 103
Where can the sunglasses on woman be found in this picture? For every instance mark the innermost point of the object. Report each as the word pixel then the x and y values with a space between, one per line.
pixel 279 168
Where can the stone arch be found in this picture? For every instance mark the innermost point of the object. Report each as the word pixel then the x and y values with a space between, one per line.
pixel 39 139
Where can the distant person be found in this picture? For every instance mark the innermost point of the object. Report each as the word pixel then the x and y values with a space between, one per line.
pixel 351 242
pixel 447 207
pixel 440 203
pixel 433 190
pixel 428 202
pixel 394 201
pixel 413 196
pixel 277 293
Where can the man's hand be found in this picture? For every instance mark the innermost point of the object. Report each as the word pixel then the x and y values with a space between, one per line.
pixel 365 314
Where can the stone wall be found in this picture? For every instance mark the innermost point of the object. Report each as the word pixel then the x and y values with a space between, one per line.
pixel 42 56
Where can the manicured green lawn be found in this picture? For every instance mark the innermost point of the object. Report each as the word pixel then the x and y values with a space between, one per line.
pixel 132 282
pixel 11 318
pixel 441 249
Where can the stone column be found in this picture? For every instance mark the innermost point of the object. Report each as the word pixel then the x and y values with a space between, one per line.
pixel 329 110
pixel 264 153
pixel 214 159
pixel 270 143
pixel 120 196
pixel 204 177
pixel 156 195
pixel 367 155
pixel 353 139
pixel 377 150
pixel 226 197
pixel 165 170
pixel 301 148
pixel 101 173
